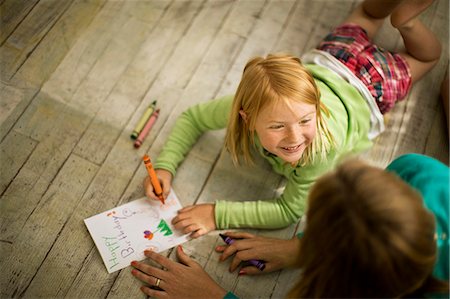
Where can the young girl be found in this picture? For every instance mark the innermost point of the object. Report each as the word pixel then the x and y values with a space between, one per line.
pixel 370 233
pixel 303 118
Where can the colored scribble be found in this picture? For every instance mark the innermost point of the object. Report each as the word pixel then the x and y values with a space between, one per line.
pixel 163 228
pixel 111 213
pixel 148 234
pixel 169 204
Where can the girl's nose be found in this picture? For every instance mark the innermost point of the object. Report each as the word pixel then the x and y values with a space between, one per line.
pixel 293 134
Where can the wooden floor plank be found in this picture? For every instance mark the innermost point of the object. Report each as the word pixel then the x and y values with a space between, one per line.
pixel 42 228
pixel 43 60
pixel 97 84
pixel 12 13
pixel 28 35
pixel 14 151
pixel 14 100
pixel 128 94
pixel 37 174
pixel 48 54
pixel 82 56
pixel 297 33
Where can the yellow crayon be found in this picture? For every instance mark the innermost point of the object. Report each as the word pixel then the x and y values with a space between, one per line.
pixel 141 123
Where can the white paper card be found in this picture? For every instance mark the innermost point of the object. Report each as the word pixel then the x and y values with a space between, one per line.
pixel 123 233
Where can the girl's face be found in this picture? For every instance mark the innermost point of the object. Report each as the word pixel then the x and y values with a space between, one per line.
pixel 286 131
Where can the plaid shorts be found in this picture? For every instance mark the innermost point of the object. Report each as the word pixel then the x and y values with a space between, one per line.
pixel 386 75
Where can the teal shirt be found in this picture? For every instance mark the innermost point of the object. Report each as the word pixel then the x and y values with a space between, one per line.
pixel 348 122
pixel 431 178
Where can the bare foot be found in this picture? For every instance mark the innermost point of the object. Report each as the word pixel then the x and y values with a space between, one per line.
pixel 407 11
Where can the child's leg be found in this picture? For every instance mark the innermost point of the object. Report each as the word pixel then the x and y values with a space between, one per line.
pixel 370 14
pixel 423 49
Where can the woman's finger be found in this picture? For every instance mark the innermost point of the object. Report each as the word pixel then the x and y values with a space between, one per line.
pixel 184 258
pixel 153 293
pixel 148 279
pixel 239 235
pixel 221 248
pixel 148 270
pixel 250 270
pixel 160 259
pixel 227 252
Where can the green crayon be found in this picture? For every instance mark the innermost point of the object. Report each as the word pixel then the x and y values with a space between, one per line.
pixel 143 120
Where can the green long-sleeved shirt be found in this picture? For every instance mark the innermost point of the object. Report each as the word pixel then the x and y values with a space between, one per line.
pixel 348 123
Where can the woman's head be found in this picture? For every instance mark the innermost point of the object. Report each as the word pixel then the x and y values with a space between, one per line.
pixel 367 235
pixel 278 100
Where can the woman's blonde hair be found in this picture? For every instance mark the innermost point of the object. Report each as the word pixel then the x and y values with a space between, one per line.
pixel 266 82
pixel 368 234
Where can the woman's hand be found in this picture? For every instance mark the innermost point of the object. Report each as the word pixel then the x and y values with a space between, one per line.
pixel 180 280
pixel 276 253
pixel 165 178
pixel 197 220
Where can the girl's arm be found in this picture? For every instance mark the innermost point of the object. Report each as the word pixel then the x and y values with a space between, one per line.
pixel 191 124
pixel 276 213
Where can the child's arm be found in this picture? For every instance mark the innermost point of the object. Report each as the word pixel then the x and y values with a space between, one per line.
pixel 188 128
pixel 198 220
pixel 191 124
pixel 273 213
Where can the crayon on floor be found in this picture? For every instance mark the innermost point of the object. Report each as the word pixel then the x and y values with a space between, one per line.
pixel 146 129
pixel 143 120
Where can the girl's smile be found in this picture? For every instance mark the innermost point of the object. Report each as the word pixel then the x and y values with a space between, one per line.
pixel 285 130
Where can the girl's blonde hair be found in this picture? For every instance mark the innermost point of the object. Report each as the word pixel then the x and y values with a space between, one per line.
pixel 367 235
pixel 266 82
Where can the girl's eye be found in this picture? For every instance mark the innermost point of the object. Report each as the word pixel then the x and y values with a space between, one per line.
pixel 276 127
pixel 305 121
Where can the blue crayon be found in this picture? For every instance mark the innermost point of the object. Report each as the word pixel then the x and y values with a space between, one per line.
pixel 258 264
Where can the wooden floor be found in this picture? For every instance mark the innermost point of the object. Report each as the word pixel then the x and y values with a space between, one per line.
pixel 76 75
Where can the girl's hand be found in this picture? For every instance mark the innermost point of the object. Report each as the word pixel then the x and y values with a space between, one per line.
pixel 165 178
pixel 276 253
pixel 180 280
pixel 197 220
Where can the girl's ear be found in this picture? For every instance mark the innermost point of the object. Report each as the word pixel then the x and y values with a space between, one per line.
pixel 243 115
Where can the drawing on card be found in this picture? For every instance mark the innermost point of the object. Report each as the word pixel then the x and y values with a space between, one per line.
pixel 163 228
pixel 123 233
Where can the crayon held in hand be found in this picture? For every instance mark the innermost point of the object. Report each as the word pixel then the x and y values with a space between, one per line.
pixel 258 264
pixel 146 129
pixel 143 120
pixel 153 178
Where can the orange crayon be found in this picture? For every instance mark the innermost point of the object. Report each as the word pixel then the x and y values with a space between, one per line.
pixel 153 178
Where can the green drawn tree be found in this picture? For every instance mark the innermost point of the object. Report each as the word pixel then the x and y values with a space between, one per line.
pixel 164 228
